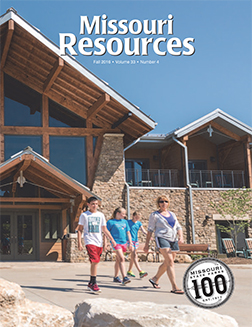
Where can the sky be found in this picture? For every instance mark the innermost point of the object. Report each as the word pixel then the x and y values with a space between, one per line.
pixel 172 90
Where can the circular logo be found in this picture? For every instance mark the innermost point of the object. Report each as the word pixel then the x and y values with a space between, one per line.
pixel 208 283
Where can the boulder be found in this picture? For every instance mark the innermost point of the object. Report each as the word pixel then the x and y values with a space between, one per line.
pixel 102 312
pixel 17 311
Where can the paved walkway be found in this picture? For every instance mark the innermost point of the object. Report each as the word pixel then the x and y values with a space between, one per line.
pixel 64 284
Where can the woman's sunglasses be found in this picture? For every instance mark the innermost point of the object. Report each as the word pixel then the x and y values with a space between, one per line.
pixel 162 201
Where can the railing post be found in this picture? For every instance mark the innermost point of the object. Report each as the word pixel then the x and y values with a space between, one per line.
pixel 170 177
pixel 222 181
pixel 200 178
pixel 243 179
pixel 148 175
pixel 159 183
pixel 211 174
pixel 232 173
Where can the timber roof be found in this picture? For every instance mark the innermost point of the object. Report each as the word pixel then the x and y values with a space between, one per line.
pixel 30 57
pixel 42 173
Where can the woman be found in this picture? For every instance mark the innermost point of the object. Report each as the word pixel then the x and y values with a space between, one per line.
pixel 120 231
pixel 167 227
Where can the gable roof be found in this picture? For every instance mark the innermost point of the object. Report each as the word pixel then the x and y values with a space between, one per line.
pixel 30 57
pixel 221 120
pixel 41 172
pixel 224 126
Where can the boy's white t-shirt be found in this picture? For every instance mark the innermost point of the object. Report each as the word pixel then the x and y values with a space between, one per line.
pixel 92 223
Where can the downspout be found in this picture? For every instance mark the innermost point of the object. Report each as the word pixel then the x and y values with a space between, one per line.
pixel 127 185
pixel 189 186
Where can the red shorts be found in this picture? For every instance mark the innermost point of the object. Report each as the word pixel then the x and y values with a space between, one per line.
pixel 94 252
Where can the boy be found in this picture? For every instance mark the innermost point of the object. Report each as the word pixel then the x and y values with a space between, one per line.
pixel 93 223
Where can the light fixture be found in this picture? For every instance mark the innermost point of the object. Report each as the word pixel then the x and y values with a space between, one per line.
pixel 210 130
pixel 21 179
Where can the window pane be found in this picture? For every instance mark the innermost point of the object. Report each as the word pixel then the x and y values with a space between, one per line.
pixel 16 143
pixel 50 225
pixel 62 117
pixel 69 155
pixel 22 107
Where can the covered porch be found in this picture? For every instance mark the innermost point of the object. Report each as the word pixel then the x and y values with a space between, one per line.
pixel 39 205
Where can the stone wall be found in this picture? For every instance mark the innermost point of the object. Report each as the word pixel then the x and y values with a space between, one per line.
pixel 72 252
pixel 144 200
pixel 109 182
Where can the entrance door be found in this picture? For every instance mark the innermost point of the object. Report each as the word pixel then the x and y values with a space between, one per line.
pixel 17 232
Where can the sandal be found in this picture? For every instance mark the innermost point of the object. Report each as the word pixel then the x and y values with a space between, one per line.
pixel 177 291
pixel 155 285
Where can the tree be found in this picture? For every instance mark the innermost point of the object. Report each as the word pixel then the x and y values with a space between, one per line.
pixel 234 206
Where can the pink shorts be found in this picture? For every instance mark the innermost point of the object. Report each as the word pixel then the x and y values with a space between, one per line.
pixel 94 252
pixel 121 246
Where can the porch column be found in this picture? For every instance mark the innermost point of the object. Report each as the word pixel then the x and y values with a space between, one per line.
pixel 109 181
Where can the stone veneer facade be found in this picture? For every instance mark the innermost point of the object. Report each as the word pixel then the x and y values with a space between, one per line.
pixel 110 185
pixel 144 200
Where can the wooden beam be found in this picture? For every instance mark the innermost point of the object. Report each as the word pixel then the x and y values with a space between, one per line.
pixel 39 200
pixel 60 131
pixel 89 153
pixel 97 152
pixel 198 129
pixel 57 67
pixel 7 43
pixel 225 131
pixel 98 105
pixel 31 206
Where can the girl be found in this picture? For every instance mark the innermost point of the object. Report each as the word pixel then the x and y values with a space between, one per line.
pixel 135 224
pixel 120 231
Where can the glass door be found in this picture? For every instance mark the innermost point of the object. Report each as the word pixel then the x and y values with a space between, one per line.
pixel 6 248
pixel 17 232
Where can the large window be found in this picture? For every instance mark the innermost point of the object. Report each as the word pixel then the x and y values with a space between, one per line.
pixel 22 105
pixel 16 143
pixel 69 155
pixel 62 117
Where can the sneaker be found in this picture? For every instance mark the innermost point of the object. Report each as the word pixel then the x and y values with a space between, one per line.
pixel 117 280
pixel 143 274
pixel 130 274
pixel 93 288
pixel 126 280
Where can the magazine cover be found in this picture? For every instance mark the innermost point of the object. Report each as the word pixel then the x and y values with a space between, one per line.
pixel 125 163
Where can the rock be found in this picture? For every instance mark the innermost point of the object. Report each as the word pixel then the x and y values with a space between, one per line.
pixel 114 313
pixel 17 311
pixel 183 258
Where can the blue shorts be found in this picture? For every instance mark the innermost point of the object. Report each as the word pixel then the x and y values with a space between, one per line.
pixel 163 243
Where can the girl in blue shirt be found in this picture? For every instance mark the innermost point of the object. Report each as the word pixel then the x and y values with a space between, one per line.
pixel 119 229
pixel 135 224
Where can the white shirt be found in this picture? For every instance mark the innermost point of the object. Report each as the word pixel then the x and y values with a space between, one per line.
pixel 92 223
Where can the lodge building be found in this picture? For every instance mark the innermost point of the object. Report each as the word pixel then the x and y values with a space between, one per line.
pixel 66 135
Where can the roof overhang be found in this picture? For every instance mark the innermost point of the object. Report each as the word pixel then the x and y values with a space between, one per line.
pixel 223 127
pixel 38 170
pixel 33 59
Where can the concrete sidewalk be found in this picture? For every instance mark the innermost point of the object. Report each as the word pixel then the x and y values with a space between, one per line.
pixel 64 284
